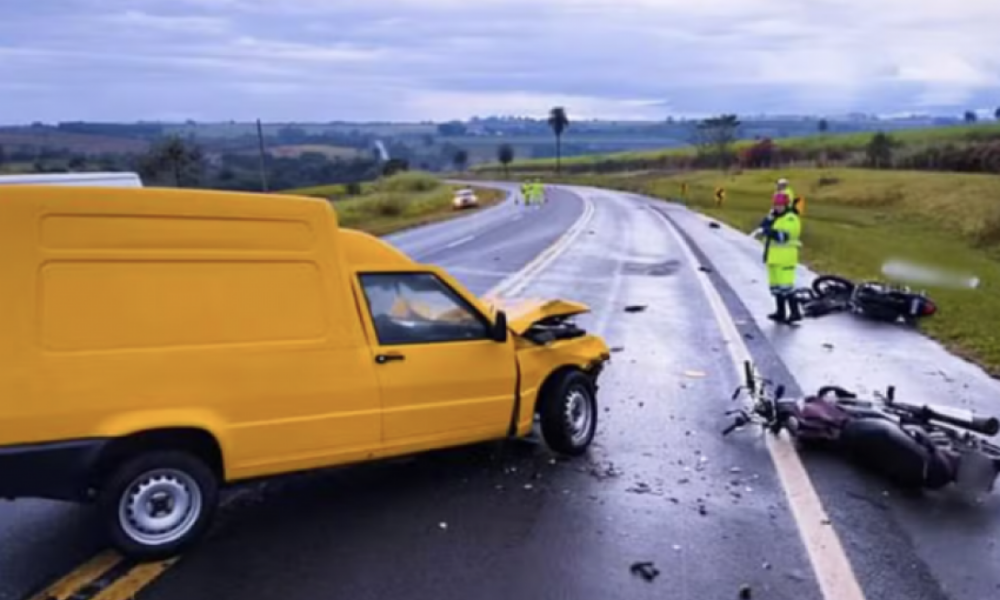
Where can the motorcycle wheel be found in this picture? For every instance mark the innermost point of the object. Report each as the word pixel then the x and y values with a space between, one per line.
pixel 832 285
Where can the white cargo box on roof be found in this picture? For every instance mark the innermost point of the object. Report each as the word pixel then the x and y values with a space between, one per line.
pixel 110 179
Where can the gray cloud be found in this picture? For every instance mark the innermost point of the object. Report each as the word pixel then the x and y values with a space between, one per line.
pixel 416 59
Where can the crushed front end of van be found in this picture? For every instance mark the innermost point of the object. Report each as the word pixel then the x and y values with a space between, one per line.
pixel 559 366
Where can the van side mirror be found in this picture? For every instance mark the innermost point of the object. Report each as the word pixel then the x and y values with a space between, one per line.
pixel 499 332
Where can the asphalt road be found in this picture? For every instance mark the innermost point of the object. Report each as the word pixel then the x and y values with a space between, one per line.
pixel 660 485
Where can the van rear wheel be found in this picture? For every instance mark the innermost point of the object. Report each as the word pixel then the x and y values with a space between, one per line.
pixel 568 413
pixel 158 504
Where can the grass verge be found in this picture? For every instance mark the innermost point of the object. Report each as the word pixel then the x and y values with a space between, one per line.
pixel 855 219
pixel 403 201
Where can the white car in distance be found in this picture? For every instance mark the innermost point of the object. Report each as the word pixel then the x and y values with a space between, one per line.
pixel 465 198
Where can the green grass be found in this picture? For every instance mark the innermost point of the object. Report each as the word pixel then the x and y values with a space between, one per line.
pixel 405 200
pixel 848 142
pixel 855 219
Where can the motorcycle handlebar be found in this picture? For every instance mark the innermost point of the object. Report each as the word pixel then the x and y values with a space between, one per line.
pixel 983 425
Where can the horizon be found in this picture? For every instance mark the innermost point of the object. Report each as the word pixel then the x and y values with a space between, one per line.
pixel 983 114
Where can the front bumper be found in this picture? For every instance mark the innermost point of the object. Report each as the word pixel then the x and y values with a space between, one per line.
pixel 55 471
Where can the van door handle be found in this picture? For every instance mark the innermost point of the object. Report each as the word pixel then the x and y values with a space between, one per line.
pixel 390 356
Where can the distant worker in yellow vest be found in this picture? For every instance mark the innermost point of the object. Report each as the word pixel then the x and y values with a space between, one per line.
pixel 782 231
pixel 526 192
pixel 541 191
pixel 783 187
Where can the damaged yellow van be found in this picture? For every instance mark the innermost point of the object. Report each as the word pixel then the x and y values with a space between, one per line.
pixel 156 345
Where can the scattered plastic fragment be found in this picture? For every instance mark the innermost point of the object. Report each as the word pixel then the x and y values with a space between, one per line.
pixel 646 570
pixel 634 308
pixel 694 374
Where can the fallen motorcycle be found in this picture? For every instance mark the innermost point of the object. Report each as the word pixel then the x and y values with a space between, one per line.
pixel 879 301
pixel 917 446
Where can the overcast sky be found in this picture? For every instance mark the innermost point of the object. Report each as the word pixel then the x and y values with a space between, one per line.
pixel 437 59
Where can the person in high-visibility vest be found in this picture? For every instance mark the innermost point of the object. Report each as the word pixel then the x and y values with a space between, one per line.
pixel 783 187
pixel 782 232
pixel 540 191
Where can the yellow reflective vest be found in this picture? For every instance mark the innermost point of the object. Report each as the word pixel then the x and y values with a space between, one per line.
pixel 783 240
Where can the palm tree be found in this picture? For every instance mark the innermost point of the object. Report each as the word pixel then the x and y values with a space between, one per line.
pixel 558 121
pixel 505 154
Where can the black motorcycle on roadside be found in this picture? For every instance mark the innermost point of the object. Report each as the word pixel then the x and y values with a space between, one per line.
pixel 875 300
pixel 918 446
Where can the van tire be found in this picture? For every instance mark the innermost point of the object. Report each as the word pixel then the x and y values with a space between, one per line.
pixel 568 413
pixel 168 478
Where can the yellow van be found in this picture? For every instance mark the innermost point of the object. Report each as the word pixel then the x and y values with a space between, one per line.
pixel 158 344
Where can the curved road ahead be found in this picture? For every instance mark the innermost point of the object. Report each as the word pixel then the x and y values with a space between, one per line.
pixel 660 485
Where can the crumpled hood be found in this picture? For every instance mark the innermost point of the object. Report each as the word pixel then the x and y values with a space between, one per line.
pixel 522 313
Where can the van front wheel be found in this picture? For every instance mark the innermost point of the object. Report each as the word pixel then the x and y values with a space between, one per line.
pixel 158 504
pixel 568 413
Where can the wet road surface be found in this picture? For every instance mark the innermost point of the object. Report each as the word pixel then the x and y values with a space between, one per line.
pixel 660 484
pixel 509 520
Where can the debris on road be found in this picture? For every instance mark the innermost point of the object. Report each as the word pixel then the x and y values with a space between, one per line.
pixel 617 349
pixel 443 525
pixel 704 269
pixel 714 225
pixel 694 374
pixel 634 308
pixel 528 486
pixel 745 592
pixel 604 472
pixel 828 346
pixel 646 570
pixel 640 488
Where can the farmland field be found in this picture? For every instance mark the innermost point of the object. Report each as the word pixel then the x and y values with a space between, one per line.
pixel 331 152
pixel 73 142
pixel 848 142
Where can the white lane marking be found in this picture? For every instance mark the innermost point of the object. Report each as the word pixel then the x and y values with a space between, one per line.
pixel 460 241
pixel 516 283
pixel 833 570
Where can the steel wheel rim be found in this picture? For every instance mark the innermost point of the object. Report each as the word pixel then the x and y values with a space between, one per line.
pixel 579 415
pixel 160 507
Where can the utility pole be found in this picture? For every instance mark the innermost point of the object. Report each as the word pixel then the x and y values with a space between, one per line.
pixel 260 145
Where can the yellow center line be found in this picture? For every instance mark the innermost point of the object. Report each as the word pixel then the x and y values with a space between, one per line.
pixel 135 580
pixel 78 578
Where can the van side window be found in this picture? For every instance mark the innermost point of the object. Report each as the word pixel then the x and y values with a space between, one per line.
pixel 419 308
